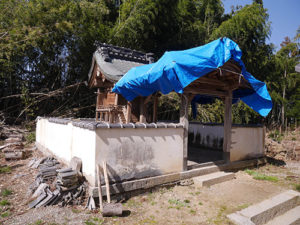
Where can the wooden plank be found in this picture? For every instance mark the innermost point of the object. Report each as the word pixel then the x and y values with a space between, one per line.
pixel 155 105
pixel 227 126
pixel 184 106
pixel 106 181
pixel 196 90
pixel 142 110
pixel 128 113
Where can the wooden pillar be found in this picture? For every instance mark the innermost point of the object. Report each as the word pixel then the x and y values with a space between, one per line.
pixel 128 113
pixel 155 104
pixel 142 110
pixel 116 99
pixel 106 116
pixel 227 126
pixel 184 120
pixel 97 103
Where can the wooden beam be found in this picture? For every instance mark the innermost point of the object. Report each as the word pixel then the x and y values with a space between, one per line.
pixel 128 113
pixel 147 99
pixel 142 110
pixel 227 126
pixel 196 90
pixel 155 105
pixel 184 120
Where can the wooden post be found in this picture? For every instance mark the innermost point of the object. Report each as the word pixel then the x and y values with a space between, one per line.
pixel 155 104
pixel 110 117
pixel 128 113
pixel 227 126
pixel 106 116
pixel 142 110
pixel 184 120
pixel 97 103
pixel 116 99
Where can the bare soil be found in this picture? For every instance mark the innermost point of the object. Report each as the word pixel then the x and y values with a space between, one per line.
pixel 163 205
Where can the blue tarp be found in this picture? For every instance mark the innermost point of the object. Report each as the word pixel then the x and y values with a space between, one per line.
pixel 177 69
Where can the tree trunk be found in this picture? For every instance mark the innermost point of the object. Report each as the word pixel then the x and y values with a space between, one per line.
pixel 282 105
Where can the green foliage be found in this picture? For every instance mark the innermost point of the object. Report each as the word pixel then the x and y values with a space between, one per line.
pixel 6 192
pixel 276 135
pixel 260 176
pixel 5 214
pixel 94 221
pixel 5 169
pixel 297 187
pixel 4 202
pixel 47 45
pixel 30 137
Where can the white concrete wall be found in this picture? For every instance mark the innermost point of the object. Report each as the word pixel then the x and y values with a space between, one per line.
pixel 83 145
pixel 208 136
pixel 246 143
pixel 130 153
pixel 136 153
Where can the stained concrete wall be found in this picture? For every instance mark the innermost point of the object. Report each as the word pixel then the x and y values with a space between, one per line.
pixel 246 141
pixel 138 153
pixel 131 153
pixel 207 136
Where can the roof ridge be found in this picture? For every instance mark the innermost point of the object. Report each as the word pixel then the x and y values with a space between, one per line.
pixel 109 51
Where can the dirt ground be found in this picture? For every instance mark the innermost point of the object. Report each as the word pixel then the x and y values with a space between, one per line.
pixel 164 205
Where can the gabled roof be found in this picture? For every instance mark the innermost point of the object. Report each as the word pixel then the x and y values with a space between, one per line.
pixel 113 62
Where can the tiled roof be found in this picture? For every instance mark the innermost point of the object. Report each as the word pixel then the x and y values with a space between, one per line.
pixel 115 61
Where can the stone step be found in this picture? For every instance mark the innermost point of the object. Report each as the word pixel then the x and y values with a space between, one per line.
pixel 267 210
pixel 212 178
pixel 194 165
pixel 198 172
pixel 291 217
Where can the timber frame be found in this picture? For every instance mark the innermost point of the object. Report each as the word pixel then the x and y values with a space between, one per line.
pixel 219 83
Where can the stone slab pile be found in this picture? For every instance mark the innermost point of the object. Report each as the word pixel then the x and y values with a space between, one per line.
pixel 54 185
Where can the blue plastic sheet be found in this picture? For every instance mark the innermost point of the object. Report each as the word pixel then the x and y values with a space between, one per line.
pixel 177 69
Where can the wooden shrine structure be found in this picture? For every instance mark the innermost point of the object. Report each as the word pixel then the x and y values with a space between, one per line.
pixel 110 63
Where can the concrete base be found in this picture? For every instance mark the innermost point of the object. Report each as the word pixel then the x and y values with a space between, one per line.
pixel 267 210
pixel 213 178
pixel 291 217
pixel 150 182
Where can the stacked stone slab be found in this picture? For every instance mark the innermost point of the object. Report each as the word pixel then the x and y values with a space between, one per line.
pixel 54 185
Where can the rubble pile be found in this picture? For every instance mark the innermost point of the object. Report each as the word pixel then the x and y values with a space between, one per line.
pixel 13 147
pixel 55 185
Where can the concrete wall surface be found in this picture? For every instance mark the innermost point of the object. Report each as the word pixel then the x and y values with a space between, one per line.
pixel 130 153
pixel 138 153
pixel 246 141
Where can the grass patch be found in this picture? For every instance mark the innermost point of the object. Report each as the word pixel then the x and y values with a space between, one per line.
pixel 260 176
pixel 200 203
pixel 4 202
pixel 5 214
pixel 5 169
pixel 39 222
pixel 175 203
pixel 75 210
pixel 6 192
pixel 149 220
pixel 193 212
pixel 297 187
pixel 94 221
pixel 30 137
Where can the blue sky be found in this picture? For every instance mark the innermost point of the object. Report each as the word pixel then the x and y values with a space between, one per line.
pixel 284 16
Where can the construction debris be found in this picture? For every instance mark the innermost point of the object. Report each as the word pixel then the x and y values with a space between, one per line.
pixel 13 148
pixel 54 185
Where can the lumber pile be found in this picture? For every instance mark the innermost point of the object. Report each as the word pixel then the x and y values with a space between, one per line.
pixel 54 185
